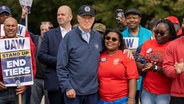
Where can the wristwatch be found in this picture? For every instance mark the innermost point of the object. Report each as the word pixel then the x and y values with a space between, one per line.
pixel 155 69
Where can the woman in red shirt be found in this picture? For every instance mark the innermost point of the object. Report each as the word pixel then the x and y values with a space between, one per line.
pixel 117 73
pixel 156 86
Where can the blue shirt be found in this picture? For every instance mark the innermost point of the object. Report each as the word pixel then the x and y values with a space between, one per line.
pixel 143 35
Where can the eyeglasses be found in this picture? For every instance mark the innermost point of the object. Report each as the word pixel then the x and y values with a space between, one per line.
pixel 161 33
pixel 111 38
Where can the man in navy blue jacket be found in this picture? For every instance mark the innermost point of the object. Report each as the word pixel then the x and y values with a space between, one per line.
pixel 78 59
pixel 48 53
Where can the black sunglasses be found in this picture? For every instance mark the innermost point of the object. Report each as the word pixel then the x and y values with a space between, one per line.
pixel 161 33
pixel 112 38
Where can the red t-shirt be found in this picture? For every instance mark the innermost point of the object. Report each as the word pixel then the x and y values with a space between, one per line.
pixel 113 74
pixel 153 81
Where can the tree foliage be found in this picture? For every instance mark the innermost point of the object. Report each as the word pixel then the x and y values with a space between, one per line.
pixel 45 10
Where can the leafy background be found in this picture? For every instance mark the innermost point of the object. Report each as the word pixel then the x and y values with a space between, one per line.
pixel 45 10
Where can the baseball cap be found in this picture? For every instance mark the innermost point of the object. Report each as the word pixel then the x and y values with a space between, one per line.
pixel 5 9
pixel 86 10
pixel 173 19
pixel 99 27
pixel 133 11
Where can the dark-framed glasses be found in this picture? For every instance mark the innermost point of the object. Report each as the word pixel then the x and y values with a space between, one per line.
pixel 111 38
pixel 160 32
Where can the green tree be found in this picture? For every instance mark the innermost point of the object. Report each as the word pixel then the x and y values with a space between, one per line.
pixel 149 9
pixel 46 10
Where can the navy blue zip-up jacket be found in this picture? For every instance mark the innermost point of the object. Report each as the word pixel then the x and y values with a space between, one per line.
pixel 77 62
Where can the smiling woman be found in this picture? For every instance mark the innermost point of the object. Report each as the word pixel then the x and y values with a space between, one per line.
pixel 117 73
pixel 164 31
pixel 113 38
pixel 153 51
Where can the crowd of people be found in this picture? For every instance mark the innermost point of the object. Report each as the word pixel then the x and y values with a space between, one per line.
pixel 90 63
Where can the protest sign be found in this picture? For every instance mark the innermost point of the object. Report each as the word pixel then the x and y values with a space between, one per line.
pixel 16 61
pixel 27 3
pixel 131 42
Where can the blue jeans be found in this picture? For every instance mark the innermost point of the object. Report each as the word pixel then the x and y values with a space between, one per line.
pixel 119 101
pixel 37 92
pixel 150 98
pixel 9 96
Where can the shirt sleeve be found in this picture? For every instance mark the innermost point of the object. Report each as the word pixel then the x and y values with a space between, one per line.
pixel 61 68
pixel 43 53
pixel 168 64
pixel 143 49
pixel 131 68
pixel 32 53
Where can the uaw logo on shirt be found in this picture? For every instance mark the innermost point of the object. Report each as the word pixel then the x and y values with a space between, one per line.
pixel 116 61
pixel 87 9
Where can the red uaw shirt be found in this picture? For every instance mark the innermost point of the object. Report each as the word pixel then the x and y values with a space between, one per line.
pixel 32 58
pixel 153 81
pixel 113 74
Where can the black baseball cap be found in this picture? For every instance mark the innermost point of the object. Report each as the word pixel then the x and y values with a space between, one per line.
pixel 86 10
pixel 133 11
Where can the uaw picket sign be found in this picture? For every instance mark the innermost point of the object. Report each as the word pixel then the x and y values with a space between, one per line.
pixel 131 42
pixel 16 61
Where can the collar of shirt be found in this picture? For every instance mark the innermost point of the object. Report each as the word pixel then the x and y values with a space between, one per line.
pixel 63 31
pixel 85 35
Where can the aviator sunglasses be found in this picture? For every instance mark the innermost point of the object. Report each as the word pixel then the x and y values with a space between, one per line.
pixel 111 38
pixel 161 33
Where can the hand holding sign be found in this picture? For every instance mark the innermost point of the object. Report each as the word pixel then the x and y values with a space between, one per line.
pixel 20 89
pixel 2 86
pixel 25 11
